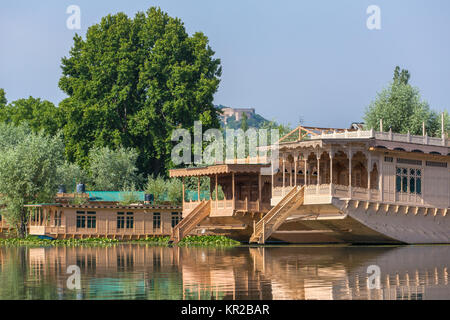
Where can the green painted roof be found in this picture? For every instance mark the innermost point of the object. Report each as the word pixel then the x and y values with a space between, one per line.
pixel 113 196
pixel 117 196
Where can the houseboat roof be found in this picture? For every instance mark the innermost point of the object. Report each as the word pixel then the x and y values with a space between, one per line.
pixel 217 169
pixel 113 196
pixel 107 206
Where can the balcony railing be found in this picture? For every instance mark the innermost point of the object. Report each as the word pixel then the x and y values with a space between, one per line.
pixel 390 136
pixel 223 206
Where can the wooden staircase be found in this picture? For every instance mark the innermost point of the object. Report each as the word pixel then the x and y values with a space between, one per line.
pixel 277 215
pixel 190 222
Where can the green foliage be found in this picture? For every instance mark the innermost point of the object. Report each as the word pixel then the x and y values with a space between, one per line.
pixel 158 187
pixel 208 241
pixel 131 81
pixel 402 109
pixel 35 241
pixel 39 115
pixel 282 129
pixel 130 196
pixel 112 170
pixel 244 124
pixel 79 200
pixel 175 191
pixel 70 174
pixel 3 100
pixel 28 173
pixel 11 135
pixel 203 241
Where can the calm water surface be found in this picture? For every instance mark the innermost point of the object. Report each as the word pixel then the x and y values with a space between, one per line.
pixel 130 271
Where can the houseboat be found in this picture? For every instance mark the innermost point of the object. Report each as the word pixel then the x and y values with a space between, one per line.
pixel 333 186
pixel 101 215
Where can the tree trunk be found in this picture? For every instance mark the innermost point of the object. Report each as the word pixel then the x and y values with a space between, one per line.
pixel 23 223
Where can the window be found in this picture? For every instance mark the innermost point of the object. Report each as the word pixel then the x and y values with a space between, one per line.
pixel 86 220
pixel 156 220
pixel 81 220
pixel 91 220
pixel 130 220
pixel 57 220
pixel 409 161
pixel 408 180
pixel 125 221
pixel 388 159
pixel 120 220
pixel 436 164
pixel 175 219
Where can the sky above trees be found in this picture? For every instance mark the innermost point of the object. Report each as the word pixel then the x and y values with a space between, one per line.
pixel 315 60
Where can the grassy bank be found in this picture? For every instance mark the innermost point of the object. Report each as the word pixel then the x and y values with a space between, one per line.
pixel 164 241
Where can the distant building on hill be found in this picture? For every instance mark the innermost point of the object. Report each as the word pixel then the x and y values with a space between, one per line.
pixel 237 113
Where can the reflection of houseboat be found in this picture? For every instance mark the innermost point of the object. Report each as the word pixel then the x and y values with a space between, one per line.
pixel 102 216
pixel 323 273
pixel 333 186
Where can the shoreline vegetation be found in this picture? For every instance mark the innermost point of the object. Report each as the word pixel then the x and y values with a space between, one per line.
pixel 207 241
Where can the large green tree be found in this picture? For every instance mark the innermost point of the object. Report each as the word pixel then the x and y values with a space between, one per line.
pixel 28 171
pixel 131 81
pixel 38 114
pixel 402 109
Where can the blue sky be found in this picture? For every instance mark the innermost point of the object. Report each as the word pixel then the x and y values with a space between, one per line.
pixel 314 60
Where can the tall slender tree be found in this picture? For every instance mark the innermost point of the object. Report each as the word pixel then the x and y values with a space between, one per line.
pixel 402 109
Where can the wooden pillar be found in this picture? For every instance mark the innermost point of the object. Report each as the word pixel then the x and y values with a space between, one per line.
pixel 284 174
pixel 182 181
pixel 290 174
pixel 259 191
pixel 306 170
pixel 233 189
pixel 198 189
pixel 217 193
pixel 369 169
pixel 380 178
pixel 350 172
pixel 273 174
pixel 295 170
pixel 318 170
pixel 331 168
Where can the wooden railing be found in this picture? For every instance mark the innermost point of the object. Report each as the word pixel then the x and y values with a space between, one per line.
pixel 275 217
pixel 190 222
pixel 390 136
pixel 342 191
pixel 221 206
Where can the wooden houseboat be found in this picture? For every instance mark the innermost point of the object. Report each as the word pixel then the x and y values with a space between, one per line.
pixel 333 186
pixel 101 216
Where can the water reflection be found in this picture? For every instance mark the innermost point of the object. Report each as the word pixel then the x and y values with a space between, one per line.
pixel 144 272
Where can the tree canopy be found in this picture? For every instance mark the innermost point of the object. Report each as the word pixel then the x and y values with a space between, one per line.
pixel 131 81
pixel 38 114
pixel 112 170
pixel 28 171
pixel 402 109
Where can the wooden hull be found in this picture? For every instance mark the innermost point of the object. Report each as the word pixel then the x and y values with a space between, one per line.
pixel 351 222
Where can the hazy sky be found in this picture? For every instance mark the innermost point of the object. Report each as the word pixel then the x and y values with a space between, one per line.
pixel 314 60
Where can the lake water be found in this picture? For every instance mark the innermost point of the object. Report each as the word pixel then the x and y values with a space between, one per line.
pixel 135 271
